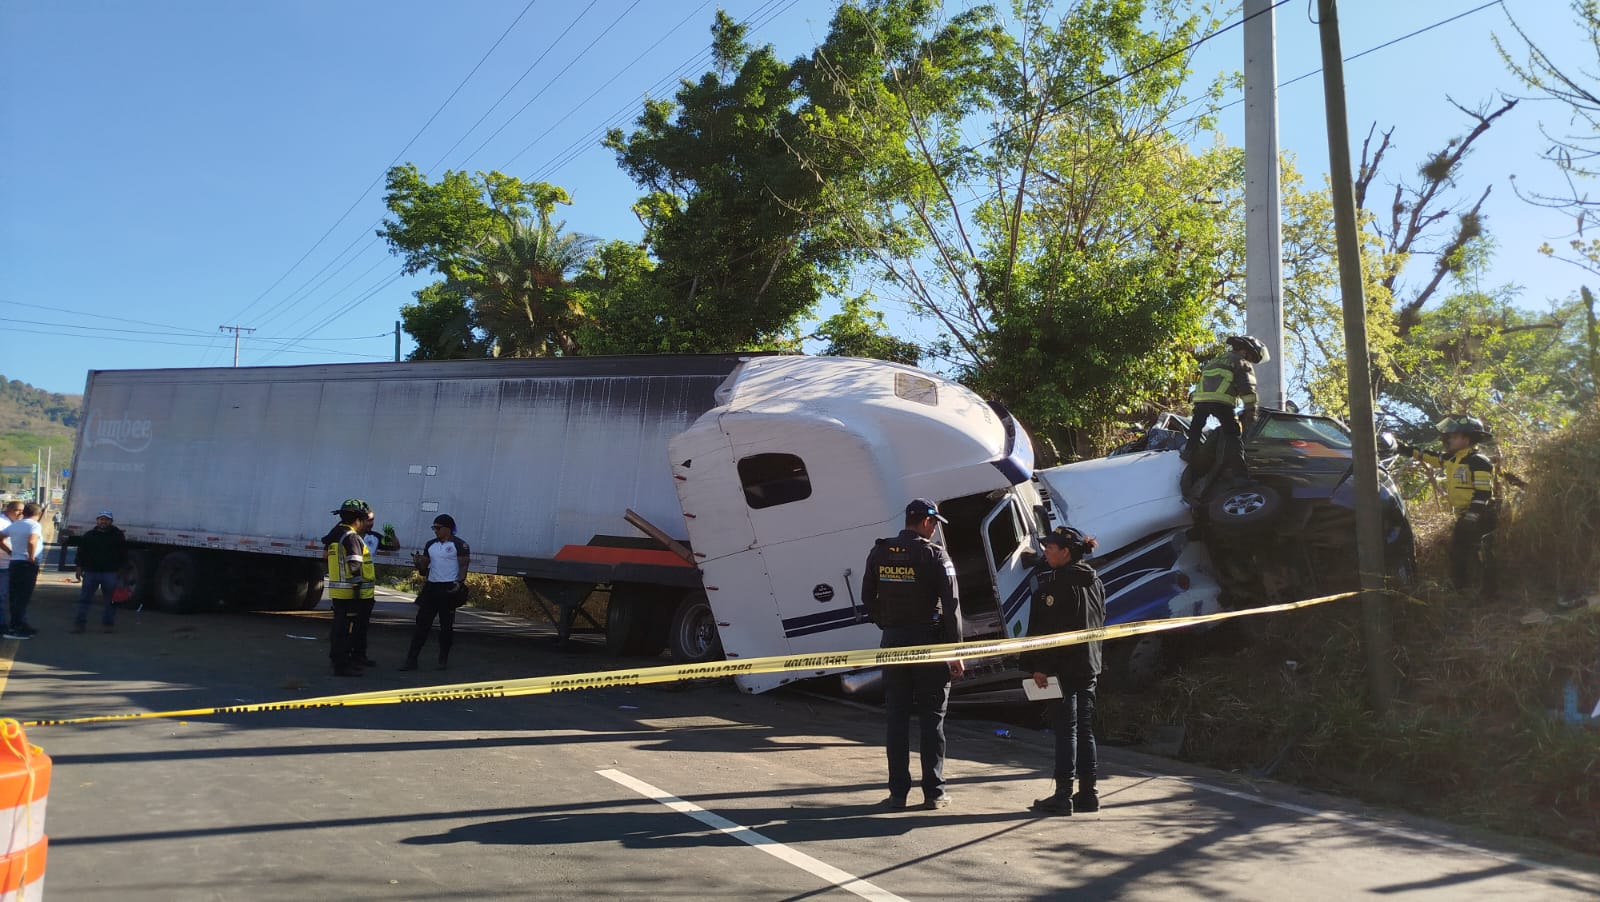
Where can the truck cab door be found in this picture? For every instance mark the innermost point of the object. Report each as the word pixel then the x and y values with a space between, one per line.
pixel 1005 538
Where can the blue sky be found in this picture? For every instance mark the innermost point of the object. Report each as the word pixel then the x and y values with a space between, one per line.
pixel 171 166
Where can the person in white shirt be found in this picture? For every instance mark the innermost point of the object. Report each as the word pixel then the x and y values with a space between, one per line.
pixel 444 562
pixel 26 538
pixel 12 512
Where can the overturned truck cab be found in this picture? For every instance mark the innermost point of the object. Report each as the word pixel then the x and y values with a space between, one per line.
pixel 803 463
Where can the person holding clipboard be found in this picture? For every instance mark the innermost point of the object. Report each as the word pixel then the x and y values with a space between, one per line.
pixel 1068 597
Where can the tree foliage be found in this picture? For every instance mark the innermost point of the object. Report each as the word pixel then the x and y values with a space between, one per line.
pixel 505 264
pixel 1068 260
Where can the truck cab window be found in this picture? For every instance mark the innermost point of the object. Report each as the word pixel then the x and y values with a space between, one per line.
pixel 773 479
pixel 1004 536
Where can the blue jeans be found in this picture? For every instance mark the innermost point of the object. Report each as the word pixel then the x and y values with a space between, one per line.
pixel 1075 749
pixel 5 594
pixel 105 581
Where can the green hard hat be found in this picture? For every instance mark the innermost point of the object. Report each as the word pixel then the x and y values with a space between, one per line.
pixel 352 506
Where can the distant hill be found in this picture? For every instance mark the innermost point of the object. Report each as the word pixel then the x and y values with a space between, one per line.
pixel 32 419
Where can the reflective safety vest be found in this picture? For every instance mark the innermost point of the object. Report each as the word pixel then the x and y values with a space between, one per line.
pixel 1226 378
pixel 1469 476
pixel 342 584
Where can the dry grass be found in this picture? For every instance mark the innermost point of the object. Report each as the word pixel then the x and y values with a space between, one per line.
pixel 1474 735
pixel 506 594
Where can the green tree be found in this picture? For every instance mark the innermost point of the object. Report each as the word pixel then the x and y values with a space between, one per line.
pixel 859 330
pixel 442 324
pixel 1070 260
pixel 505 263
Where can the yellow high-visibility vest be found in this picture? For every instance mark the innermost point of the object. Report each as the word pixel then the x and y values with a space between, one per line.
pixel 341 583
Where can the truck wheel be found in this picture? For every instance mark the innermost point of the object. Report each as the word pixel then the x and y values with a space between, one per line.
pixel 1245 507
pixel 1135 662
pixel 183 583
pixel 635 624
pixel 136 577
pixel 623 616
pixel 311 595
pixel 693 635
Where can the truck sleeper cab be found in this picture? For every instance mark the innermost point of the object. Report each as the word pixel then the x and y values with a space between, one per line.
pixel 805 462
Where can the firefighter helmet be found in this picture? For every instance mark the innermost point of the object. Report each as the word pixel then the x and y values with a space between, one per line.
pixel 1250 346
pixel 1471 426
pixel 353 506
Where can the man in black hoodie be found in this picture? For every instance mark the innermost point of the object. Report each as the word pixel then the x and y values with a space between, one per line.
pixel 102 552
pixel 1069 597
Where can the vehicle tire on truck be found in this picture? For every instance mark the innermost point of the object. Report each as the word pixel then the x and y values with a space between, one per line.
pixel 693 636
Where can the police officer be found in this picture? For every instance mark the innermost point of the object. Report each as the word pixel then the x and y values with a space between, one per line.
pixel 909 591
pixel 1069 597
pixel 352 583
pixel 1224 380
pixel 1470 476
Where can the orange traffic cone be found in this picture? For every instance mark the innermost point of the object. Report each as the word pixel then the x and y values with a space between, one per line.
pixel 24 784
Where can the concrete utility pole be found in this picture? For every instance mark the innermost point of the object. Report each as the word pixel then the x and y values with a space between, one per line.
pixel 1263 232
pixel 235 330
pixel 1369 528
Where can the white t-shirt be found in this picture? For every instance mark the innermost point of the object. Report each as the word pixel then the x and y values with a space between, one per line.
pixel 442 564
pixel 17 534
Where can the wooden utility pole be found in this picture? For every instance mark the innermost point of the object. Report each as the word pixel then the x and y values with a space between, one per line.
pixel 1375 629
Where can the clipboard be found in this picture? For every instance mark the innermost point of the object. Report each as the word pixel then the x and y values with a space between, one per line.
pixel 1051 690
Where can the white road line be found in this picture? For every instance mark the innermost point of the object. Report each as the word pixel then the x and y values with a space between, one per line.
pixel 766 844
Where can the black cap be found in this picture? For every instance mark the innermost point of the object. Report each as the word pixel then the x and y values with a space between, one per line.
pixel 446 521
pixel 1066 537
pixel 922 507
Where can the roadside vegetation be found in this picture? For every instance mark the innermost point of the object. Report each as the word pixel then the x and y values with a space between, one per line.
pixel 1478 733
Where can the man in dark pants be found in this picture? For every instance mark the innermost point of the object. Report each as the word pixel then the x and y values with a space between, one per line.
pixel 909 590
pixel 443 562
pixel 102 552
pixel 1471 489
pixel 375 541
pixel 1223 381
pixel 352 582
pixel 25 543
pixel 1069 597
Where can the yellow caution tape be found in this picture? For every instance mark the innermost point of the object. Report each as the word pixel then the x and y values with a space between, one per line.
pixel 673 673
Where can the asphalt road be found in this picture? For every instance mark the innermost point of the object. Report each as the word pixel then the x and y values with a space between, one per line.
pixel 687 792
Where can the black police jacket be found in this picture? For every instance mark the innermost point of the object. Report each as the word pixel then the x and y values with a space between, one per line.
pixel 1066 599
pixel 910 582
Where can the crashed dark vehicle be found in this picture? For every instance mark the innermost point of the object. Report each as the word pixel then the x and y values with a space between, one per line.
pixel 1287 530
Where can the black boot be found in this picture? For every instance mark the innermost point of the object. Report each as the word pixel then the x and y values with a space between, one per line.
pixel 410 664
pixel 1086 799
pixel 444 660
pixel 1059 803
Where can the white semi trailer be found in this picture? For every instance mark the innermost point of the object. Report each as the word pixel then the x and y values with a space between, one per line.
pixel 728 502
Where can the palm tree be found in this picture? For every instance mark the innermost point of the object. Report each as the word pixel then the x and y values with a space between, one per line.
pixel 517 280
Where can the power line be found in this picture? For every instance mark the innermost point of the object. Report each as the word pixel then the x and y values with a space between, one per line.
pixel 507 93
pixel 280 308
pixel 540 92
pixel 586 142
pixel 585 101
pixel 358 200
pixel 183 344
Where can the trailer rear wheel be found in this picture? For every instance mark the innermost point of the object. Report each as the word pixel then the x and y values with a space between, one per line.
pixel 623 621
pixel 136 577
pixel 184 583
pixel 693 635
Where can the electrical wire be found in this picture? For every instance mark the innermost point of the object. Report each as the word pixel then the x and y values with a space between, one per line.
pixel 240 315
